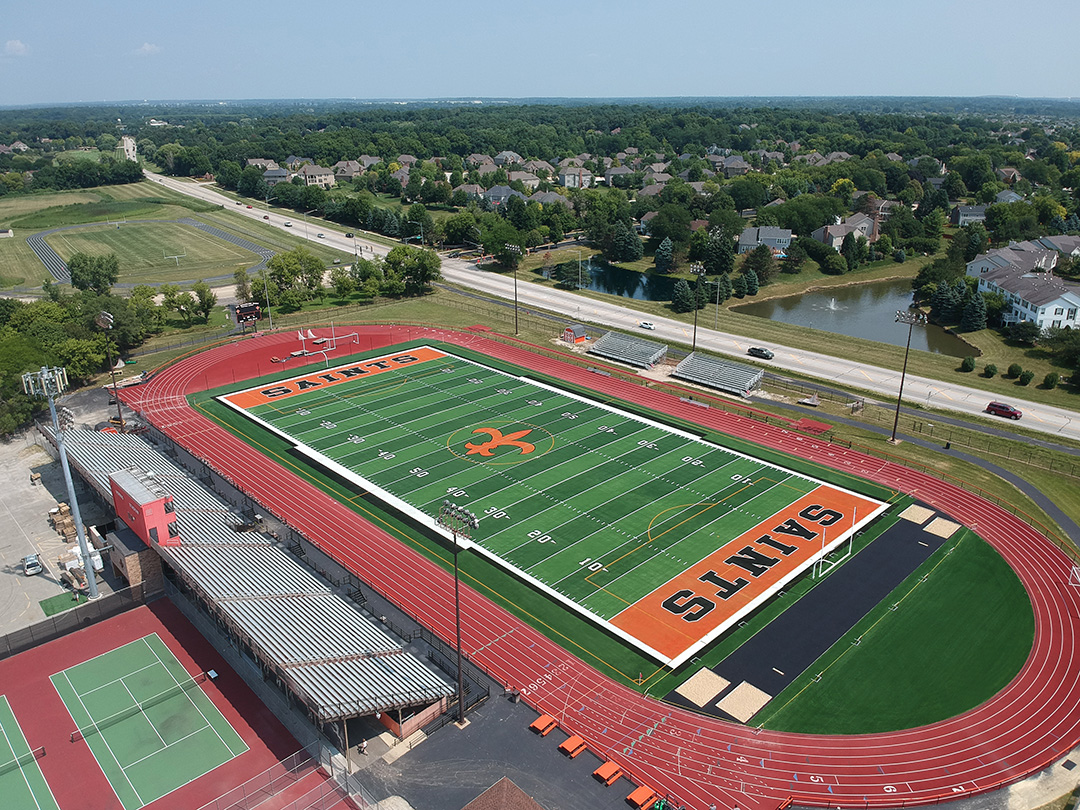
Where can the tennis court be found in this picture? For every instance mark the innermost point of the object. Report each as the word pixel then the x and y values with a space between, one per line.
pixel 22 785
pixel 661 537
pixel 147 721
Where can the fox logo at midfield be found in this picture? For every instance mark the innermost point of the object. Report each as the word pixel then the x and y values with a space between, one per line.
pixel 499 440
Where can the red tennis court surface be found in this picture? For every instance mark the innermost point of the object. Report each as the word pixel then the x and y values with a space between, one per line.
pixel 73 774
pixel 1029 724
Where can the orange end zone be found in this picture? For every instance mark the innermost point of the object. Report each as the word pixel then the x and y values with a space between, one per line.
pixel 328 377
pixel 709 596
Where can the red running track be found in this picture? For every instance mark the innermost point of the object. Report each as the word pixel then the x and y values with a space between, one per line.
pixel 1031 723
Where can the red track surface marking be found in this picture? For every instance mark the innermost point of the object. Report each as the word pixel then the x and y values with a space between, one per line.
pixel 1029 724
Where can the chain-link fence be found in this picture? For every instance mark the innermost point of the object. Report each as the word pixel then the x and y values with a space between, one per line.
pixel 69 621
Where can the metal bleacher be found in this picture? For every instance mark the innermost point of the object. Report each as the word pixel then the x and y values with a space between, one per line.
pixel 630 350
pixel 723 375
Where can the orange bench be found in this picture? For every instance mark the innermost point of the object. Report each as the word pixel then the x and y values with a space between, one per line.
pixel 643 797
pixel 544 724
pixel 608 773
pixel 572 746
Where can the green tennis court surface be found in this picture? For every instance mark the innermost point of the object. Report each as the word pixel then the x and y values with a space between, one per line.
pixel 22 785
pixel 661 537
pixel 146 720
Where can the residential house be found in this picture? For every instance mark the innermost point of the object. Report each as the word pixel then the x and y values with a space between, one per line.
pixel 497 195
pixel 698 187
pixel 966 214
pixel 262 163
pixel 685 174
pixel 528 179
pixel 778 239
pixel 657 168
pixel 294 162
pixel 895 158
pixel 1023 274
pixel 19 146
pixel 650 190
pixel 1007 196
pixel 275 175
pixel 471 189
pixel 485 168
pixel 347 169
pixel 550 198
pixel 938 166
pixel 657 177
pixel 317 176
pixel 408 160
pixel 735 166
pixel 401 175
pixel 859 224
pixel 646 218
pixel 618 171
pixel 367 161
pixel 1008 174
pixel 1069 245
pixel 571 177
pixel 537 166
pixel 508 158
pixel 5 149
pixel 571 162
pixel 475 159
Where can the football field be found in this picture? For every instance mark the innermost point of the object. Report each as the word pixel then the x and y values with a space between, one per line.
pixel 664 539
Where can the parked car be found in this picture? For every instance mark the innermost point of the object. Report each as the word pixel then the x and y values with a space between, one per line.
pixel 1001 409
pixel 647 325
pixel 758 351
pixel 32 565
pixel 288 224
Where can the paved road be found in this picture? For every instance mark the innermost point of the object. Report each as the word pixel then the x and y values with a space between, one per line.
pixel 879 382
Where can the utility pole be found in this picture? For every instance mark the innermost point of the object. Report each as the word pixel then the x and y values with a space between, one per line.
pixel 50 383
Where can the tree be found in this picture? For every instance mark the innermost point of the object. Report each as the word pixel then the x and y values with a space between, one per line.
pixel 417 268
pixel 242 282
pixel 974 317
pixel 738 286
pixel 1027 332
pixel 750 280
pixel 205 300
pixel 664 256
pixel 625 245
pixel 94 273
pixel 343 282
pixel 795 259
pixel 682 299
pixel 724 284
pixel 719 256
pixel 571 275
pixel 967 364
pixel 251 182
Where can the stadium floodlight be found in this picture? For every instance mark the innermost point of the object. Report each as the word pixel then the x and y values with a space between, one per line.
pixel 50 383
pixel 516 250
pixel 461 522
pixel 913 318
pixel 698 269
pixel 105 321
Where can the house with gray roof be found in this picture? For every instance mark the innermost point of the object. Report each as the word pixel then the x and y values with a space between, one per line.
pixel 497 195
pixel 508 158
pixel 367 161
pixel 616 171
pixel 572 177
pixel 778 239
pixel 1024 274
pixel 537 166
pixel 966 214
pixel 274 176
pixel 1007 196
pixel 476 158
pixel 550 198
pixel 294 162
pixel 262 163
pixel 347 169
pixel 528 179
pixel 317 176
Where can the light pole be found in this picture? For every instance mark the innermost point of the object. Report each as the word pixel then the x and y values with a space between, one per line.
pixel 50 383
pixel 698 269
pixel 266 289
pixel 516 250
pixel 911 318
pixel 312 211
pixel 460 521
pixel 105 321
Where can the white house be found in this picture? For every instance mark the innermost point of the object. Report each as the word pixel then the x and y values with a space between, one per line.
pixel 1024 274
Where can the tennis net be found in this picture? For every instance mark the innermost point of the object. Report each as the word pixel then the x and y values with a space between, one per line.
pixel 23 759
pixel 97 726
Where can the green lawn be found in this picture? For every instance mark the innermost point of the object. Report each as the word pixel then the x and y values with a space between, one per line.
pixel 144 248
pixel 93 155
pixel 954 641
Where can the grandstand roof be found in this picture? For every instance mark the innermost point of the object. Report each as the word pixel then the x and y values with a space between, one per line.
pixel 630 350
pixel 337 659
pixel 723 375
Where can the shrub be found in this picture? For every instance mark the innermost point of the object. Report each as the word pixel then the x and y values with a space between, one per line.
pixel 1051 380
pixel 1014 371
pixel 900 256
pixel 1026 377
pixel 967 364
pixel 989 370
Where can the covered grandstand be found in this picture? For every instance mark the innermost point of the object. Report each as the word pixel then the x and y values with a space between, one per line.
pixel 630 350
pixel 724 375
pixel 327 654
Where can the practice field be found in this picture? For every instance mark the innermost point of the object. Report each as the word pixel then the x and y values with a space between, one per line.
pixel 664 539
pixel 146 250
pixel 146 720
pixel 22 785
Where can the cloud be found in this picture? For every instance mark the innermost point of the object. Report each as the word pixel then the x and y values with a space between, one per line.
pixel 147 49
pixel 15 47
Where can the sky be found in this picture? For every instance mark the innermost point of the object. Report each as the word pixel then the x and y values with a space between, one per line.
pixel 66 51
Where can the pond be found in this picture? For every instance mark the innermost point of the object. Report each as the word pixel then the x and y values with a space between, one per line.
pixel 859 310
